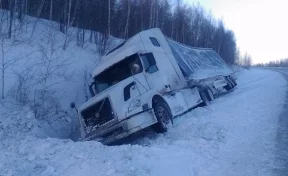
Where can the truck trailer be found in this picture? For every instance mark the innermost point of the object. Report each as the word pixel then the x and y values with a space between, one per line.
pixel 145 82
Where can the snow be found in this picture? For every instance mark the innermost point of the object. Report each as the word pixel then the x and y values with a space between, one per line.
pixel 41 55
pixel 198 63
pixel 235 135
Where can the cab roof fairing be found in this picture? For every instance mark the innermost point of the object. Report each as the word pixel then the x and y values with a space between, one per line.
pixel 130 47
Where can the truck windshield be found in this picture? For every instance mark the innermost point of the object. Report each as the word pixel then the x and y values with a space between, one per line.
pixel 117 73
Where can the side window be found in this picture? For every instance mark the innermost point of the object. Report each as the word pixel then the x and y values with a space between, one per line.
pixel 135 65
pixel 154 41
pixel 149 63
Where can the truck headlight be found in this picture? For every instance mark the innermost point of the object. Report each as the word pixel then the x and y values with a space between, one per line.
pixel 134 105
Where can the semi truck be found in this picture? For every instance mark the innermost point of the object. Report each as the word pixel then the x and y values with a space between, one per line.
pixel 147 81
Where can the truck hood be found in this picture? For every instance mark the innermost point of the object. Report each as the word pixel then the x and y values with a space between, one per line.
pixel 98 97
pixel 115 93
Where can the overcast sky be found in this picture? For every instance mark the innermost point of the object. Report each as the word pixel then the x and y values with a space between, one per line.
pixel 260 26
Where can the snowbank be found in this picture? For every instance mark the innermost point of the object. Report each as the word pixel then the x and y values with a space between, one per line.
pixel 41 75
pixel 233 136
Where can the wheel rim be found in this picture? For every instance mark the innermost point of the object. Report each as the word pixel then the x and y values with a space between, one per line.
pixel 163 116
pixel 231 84
pixel 205 98
pixel 210 94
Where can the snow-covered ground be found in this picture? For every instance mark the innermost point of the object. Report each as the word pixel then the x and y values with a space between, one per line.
pixel 41 75
pixel 235 135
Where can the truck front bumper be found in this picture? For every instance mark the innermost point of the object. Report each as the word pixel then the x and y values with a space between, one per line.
pixel 124 128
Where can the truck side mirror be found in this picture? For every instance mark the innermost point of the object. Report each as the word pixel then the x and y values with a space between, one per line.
pixel 73 106
pixel 91 89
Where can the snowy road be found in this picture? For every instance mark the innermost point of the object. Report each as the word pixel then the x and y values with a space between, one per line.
pixel 282 133
pixel 237 135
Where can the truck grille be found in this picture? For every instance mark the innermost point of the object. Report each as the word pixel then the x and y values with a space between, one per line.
pixel 97 115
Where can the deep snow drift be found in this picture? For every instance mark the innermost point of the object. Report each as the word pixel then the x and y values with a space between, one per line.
pixel 233 136
pixel 41 75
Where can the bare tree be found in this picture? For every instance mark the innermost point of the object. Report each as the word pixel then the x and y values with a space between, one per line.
pixel 246 60
pixel 11 8
pixel 68 25
pixel 102 43
pixel 109 17
pixel 277 63
pixel 151 14
pixel 6 62
pixel 24 79
pixel 70 21
pixel 47 72
pixel 39 11
pixel 237 57
pixel 189 24
pixel 51 10
pixel 80 37
pixel 129 3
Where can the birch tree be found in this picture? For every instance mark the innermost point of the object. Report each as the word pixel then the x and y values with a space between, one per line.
pixel 151 14
pixel 189 24
pixel 51 10
pixel 129 3
pixel 70 21
pixel 11 17
pixel 39 11
pixel 109 17
pixel 6 46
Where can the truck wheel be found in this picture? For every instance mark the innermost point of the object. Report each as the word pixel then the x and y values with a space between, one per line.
pixel 234 81
pixel 163 115
pixel 229 85
pixel 231 81
pixel 205 97
pixel 210 95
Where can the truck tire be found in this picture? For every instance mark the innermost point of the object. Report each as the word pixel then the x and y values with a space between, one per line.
pixel 234 81
pixel 231 81
pixel 210 95
pixel 205 97
pixel 163 115
pixel 229 85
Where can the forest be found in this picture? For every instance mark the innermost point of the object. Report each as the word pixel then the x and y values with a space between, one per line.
pixel 188 24
pixel 278 63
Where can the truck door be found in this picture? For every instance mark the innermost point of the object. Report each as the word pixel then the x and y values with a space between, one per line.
pixel 139 79
pixel 151 71
pixel 134 86
pixel 159 75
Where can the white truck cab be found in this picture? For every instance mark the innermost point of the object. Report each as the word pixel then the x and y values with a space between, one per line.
pixel 140 84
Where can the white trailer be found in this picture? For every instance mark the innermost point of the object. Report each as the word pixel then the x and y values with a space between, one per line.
pixel 145 82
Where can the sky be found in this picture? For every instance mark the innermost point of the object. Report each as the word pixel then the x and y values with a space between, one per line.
pixel 260 26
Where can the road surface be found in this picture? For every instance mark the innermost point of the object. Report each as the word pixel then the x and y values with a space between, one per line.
pixel 282 134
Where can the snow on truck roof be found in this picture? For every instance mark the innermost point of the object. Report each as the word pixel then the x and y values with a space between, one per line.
pixel 196 63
